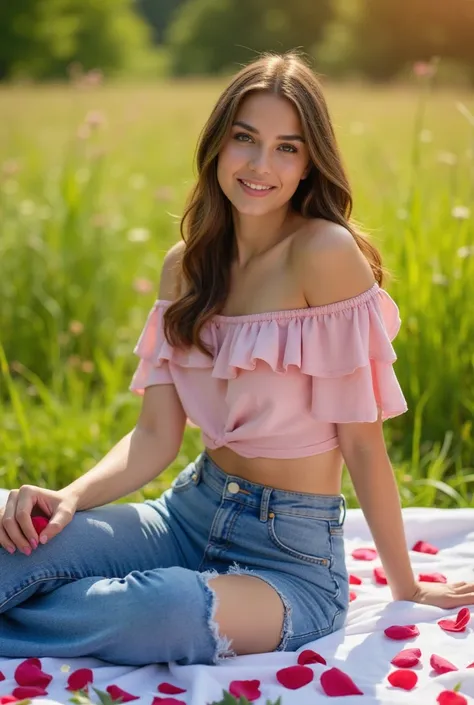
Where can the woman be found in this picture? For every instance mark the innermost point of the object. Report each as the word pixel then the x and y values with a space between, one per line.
pixel 272 333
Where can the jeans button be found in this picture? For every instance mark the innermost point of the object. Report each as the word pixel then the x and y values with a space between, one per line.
pixel 233 487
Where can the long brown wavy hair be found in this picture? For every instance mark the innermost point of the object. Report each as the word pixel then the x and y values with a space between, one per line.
pixel 207 226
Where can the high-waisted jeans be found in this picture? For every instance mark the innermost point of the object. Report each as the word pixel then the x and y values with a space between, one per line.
pixel 128 583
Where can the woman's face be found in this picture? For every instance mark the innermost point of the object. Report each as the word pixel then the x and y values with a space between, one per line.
pixel 268 149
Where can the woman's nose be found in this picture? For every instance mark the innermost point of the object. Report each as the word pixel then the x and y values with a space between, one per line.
pixel 261 161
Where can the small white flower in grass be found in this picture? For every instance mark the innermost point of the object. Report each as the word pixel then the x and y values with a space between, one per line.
pixel 138 235
pixel 137 181
pixel 439 279
pixel 402 214
pixel 447 158
pixel 466 251
pixel 461 212
pixel 27 207
pixel 426 136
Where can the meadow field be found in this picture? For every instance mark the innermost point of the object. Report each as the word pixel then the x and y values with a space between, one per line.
pixel 93 180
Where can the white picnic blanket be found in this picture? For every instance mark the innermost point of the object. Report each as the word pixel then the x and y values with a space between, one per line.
pixel 361 650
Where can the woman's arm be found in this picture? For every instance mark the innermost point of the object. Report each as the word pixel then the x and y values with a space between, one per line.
pixel 365 454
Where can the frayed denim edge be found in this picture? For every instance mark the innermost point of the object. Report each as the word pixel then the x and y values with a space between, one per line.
pixel 287 628
pixel 222 643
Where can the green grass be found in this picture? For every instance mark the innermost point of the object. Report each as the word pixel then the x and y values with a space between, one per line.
pixel 92 183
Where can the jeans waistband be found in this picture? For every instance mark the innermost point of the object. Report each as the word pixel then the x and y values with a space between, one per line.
pixel 234 488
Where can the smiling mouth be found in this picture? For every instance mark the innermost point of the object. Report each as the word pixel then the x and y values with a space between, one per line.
pixel 255 188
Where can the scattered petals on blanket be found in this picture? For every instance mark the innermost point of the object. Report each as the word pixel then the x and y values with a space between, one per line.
pixel 403 678
pixel 80 679
pixel 336 683
pixel 441 665
pixel 459 624
pixel 364 554
pixel 449 697
pixel 425 547
pixel 354 580
pixel 294 677
pixel 249 689
pixel 28 691
pixel 406 658
pixel 361 651
pixel 380 577
pixel 432 578
pixel 116 692
pixel 170 689
pixel 310 656
pixel 402 631
pixel 29 673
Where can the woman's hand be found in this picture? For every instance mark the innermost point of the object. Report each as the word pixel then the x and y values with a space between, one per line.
pixel 16 526
pixel 445 595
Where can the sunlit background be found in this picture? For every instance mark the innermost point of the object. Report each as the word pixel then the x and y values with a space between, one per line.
pixel 101 104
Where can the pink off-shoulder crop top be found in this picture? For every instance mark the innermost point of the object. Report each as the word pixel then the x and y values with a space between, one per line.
pixel 280 381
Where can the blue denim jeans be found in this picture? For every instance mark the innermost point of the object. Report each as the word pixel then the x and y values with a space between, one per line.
pixel 128 583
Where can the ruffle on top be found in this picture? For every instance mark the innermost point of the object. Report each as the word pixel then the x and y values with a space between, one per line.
pixel 345 347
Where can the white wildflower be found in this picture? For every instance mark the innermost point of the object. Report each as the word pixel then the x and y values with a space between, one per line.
pixel 138 235
pixel 461 212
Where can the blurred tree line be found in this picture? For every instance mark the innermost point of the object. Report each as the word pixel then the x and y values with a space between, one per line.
pixel 376 39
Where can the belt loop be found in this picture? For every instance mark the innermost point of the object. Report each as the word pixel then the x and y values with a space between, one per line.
pixel 266 494
pixel 343 510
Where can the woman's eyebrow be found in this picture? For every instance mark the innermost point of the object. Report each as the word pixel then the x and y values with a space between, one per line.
pixel 279 137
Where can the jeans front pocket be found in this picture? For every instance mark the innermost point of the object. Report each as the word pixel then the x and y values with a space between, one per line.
pixel 305 538
pixel 185 479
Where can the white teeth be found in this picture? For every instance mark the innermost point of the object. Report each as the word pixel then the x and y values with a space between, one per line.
pixel 256 188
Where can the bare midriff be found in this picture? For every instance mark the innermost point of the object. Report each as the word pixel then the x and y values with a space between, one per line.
pixel 273 283
pixel 315 474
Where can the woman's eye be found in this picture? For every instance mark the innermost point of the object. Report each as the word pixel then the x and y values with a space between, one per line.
pixel 291 149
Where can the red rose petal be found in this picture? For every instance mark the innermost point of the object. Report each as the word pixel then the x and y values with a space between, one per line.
pixel 167 701
pixel 380 577
pixel 335 682
pixel 310 656
pixel 403 679
pixel 442 665
pixel 471 665
pixel 28 691
pixel 2 677
pixel 6 699
pixel 39 523
pixel 364 554
pixel 352 596
pixel 249 689
pixel 115 692
pixel 170 689
pixel 459 624
pixel 355 580
pixel 29 673
pixel 407 658
pixel 294 677
pixel 432 578
pixel 425 547
pixel 78 680
pixel 407 631
pixel 450 697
